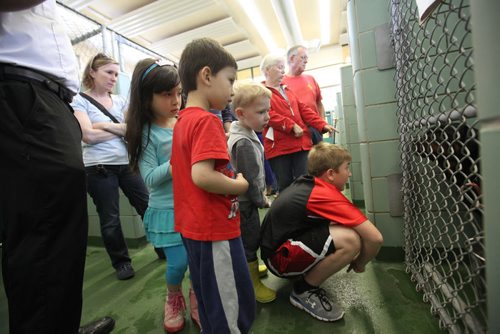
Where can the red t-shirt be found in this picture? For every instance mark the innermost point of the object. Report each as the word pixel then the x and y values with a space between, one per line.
pixel 305 88
pixel 307 202
pixel 328 202
pixel 200 215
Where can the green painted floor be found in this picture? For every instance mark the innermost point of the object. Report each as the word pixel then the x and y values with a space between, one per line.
pixel 381 300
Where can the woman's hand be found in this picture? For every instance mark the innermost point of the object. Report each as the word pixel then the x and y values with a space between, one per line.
pixel 90 134
pixel 328 128
pixel 117 129
pixel 297 131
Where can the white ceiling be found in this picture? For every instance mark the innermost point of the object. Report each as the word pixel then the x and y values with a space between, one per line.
pixel 166 26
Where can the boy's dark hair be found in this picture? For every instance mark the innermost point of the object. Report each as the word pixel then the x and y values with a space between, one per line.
pixel 324 156
pixel 198 54
pixel 148 78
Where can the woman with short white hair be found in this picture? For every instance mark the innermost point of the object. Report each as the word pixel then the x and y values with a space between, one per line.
pixel 287 139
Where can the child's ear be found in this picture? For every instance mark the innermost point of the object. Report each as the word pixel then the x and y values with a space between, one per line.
pixel 239 112
pixel 205 74
pixel 330 174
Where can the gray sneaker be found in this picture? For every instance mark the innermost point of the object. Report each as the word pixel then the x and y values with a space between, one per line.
pixel 316 303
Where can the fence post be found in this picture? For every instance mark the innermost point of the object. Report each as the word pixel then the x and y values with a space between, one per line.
pixel 485 25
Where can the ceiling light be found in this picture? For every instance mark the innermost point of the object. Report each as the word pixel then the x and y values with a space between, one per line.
pixel 324 19
pixel 258 22
pixel 289 23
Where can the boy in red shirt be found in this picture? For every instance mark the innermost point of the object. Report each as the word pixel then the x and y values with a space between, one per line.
pixel 312 231
pixel 205 189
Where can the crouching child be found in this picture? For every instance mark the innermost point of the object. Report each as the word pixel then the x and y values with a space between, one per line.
pixel 312 231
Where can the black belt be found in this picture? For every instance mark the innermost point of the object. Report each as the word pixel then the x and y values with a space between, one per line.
pixel 24 74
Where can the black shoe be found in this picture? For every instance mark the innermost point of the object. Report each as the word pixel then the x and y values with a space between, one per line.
pixel 125 271
pixel 101 326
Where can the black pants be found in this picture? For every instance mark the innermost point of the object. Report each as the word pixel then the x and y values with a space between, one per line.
pixel 250 229
pixel 104 182
pixel 43 209
pixel 288 167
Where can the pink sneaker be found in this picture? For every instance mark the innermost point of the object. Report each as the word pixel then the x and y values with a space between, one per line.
pixel 193 308
pixel 175 307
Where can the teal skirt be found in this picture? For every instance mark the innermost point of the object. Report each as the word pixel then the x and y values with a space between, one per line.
pixel 159 227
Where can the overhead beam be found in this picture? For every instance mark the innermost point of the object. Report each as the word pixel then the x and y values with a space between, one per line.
pixel 288 21
pixel 78 4
pixel 216 30
pixel 241 49
pixel 159 12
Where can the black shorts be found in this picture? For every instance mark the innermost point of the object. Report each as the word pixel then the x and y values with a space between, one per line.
pixel 298 255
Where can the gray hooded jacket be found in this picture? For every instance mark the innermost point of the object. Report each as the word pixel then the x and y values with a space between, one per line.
pixel 247 157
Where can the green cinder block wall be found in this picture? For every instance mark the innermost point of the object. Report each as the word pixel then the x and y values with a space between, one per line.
pixel 376 119
pixel 132 227
pixel 351 134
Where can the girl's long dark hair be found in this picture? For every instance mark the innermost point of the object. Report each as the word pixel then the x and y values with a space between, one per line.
pixel 147 79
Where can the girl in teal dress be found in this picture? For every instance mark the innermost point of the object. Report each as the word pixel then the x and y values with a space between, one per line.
pixel 155 100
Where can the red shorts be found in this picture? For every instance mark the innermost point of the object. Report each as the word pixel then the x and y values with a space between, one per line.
pixel 297 256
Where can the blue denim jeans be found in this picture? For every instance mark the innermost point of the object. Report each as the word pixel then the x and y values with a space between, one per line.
pixel 103 183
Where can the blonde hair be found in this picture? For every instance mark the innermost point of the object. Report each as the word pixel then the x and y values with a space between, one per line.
pixel 97 61
pixel 324 156
pixel 246 92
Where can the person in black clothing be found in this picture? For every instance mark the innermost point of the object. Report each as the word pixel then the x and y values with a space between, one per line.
pixel 43 203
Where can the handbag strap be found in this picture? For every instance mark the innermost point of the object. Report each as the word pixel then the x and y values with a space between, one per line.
pixel 100 107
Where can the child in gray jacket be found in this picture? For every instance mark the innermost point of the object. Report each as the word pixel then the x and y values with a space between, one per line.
pixel 251 104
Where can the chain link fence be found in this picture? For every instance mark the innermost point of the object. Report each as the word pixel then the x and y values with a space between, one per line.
pixel 440 161
pixel 88 38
